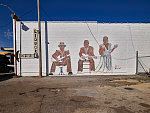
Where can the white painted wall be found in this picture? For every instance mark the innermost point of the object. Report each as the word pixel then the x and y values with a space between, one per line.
pixel 129 36
pixel 73 34
pixel 25 45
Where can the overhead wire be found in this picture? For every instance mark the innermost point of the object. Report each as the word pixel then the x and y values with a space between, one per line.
pixel 10 22
pixel 139 60
pixel 131 37
pixel 46 14
pixel 95 37
pixel 85 22
pixel 113 57
pixel 132 46
pixel 123 58
pixel 88 28
pixel 26 13
pixel 92 33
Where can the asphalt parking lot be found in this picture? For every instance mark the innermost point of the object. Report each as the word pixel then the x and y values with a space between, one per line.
pixel 75 94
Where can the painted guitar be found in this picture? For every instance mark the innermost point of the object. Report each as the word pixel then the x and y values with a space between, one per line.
pixel 60 59
pixel 86 57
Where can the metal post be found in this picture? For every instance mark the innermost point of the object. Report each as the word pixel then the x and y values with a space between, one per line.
pixel 137 60
pixel 15 18
pixel 39 28
pixel 15 47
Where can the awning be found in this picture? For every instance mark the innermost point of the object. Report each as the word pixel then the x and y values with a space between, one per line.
pixel 4 53
pixel 7 49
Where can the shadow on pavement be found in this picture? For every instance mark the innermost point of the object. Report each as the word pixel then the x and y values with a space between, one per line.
pixel 6 76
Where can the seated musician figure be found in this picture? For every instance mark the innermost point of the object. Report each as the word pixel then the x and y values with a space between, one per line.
pixel 86 54
pixel 62 58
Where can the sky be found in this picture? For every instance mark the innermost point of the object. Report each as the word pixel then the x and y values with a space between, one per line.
pixel 107 11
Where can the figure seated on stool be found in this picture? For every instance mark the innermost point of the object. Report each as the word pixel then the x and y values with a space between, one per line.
pixel 86 54
pixel 62 58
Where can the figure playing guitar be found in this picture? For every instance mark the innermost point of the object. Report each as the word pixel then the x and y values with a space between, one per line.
pixel 62 58
pixel 89 52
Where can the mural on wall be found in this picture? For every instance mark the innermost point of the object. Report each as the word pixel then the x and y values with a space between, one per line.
pixel 86 55
pixel 61 58
pixel 105 50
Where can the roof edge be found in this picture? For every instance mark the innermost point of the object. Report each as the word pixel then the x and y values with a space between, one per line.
pixel 80 22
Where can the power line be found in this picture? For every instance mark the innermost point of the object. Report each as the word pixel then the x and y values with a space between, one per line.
pixel 42 9
pixel 96 39
pixel 131 38
pixel 26 13
pixel 123 58
pixel 91 33
pixel 85 22
pixel 140 60
pixel 10 22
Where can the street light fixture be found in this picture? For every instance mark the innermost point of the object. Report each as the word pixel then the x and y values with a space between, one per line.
pixel 8 8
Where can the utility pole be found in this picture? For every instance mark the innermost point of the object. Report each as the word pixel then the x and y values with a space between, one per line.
pixel 15 18
pixel 39 31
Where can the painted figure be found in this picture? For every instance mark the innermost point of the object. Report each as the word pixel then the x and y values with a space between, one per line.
pixel 62 58
pixel 86 54
pixel 105 51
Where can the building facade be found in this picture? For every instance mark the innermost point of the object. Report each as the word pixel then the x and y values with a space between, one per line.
pixel 129 37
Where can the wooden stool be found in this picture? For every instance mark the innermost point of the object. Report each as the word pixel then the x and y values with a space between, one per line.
pixel 86 65
pixel 61 70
